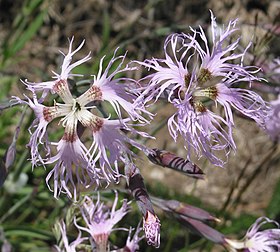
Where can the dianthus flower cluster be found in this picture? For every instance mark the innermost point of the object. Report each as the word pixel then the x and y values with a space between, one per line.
pixel 200 77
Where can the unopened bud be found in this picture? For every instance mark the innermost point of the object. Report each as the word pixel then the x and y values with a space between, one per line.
pixel 204 230
pixel 10 156
pixel 170 160
pixel 183 209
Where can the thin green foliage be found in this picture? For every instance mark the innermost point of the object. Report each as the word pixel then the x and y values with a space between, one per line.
pixel 26 24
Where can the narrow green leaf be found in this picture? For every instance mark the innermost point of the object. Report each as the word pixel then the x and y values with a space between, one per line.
pixel 273 208
pixel 28 232
pixel 106 29
pixel 29 33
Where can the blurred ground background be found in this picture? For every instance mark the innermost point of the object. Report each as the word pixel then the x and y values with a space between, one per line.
pixel 33 31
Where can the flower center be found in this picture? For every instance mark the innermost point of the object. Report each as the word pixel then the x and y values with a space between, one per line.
pixel 204 75
pixel 76 106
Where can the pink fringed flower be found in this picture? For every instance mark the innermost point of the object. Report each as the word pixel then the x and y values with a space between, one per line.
pixel 75 161
pixel 195 77
pixel 100 220
pixel 256 240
